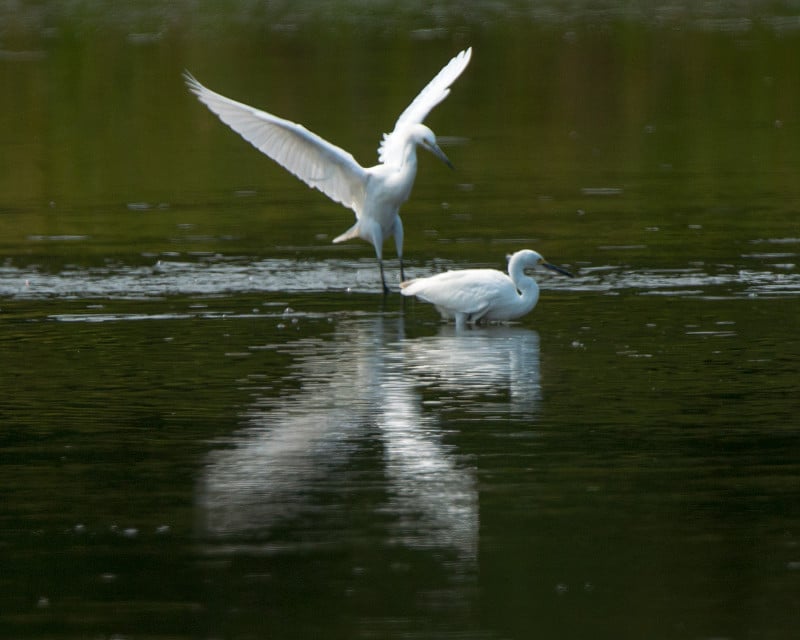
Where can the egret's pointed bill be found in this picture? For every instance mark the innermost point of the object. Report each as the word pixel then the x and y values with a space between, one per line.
pixel 436 150
pixel 555 267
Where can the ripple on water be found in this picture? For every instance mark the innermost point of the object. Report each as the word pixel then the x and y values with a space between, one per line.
pixel 726 282
pixel 217 275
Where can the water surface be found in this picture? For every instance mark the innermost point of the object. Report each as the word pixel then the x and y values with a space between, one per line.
pixel 214 425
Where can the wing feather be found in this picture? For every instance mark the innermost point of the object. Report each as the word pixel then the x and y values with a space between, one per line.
pixel 469 291
pixel 317 162
pixel 435 91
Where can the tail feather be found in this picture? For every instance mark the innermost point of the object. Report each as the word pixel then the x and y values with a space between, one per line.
pixel 352 232
pixel 407 287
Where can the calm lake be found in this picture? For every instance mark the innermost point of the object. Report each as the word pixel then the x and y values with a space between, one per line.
pixel 214 425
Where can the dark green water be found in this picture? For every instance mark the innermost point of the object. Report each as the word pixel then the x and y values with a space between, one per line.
pixel 213 425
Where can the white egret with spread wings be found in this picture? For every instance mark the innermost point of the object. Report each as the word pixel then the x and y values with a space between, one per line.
pixel 375 193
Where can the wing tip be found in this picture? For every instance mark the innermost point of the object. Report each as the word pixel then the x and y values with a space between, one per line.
pixel 462 58
pixel 192 83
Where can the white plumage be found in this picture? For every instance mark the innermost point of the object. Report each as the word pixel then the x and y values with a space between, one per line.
pixel 475 295
pixel 376 193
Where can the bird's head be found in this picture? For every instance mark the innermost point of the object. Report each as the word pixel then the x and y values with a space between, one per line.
pixel 530 259
pixel 425 138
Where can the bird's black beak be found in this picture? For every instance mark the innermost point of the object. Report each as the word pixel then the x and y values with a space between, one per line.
pixel 556 268
pixel 436 150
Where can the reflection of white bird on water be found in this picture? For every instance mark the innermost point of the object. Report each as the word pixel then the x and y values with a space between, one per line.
pixel 374 193
pixel 296 454
pixel 472 295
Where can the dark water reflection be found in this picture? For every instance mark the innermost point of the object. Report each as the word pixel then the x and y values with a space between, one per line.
pixel 352 396
pixel 357 462
pixel 364 390
pixel 213 425
pixel 399 478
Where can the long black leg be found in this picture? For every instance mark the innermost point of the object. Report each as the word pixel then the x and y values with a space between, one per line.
pixel 383 279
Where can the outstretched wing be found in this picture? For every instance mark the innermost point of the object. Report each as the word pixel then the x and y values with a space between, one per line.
pixel 315 161
pixel 433 93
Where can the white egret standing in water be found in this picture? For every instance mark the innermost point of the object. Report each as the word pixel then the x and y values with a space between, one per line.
pixel 374 193
pixel 472 295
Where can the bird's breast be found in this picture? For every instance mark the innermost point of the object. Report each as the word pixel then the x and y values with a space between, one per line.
pixel 390 187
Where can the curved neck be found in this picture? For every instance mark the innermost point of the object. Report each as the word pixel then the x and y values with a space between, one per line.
pixel 527 287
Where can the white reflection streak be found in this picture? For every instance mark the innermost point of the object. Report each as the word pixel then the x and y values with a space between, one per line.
pixel 481 361
pixel 434 499
pixel 265 478
pixel 437 499
pixel 293 444
pixel 358 385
